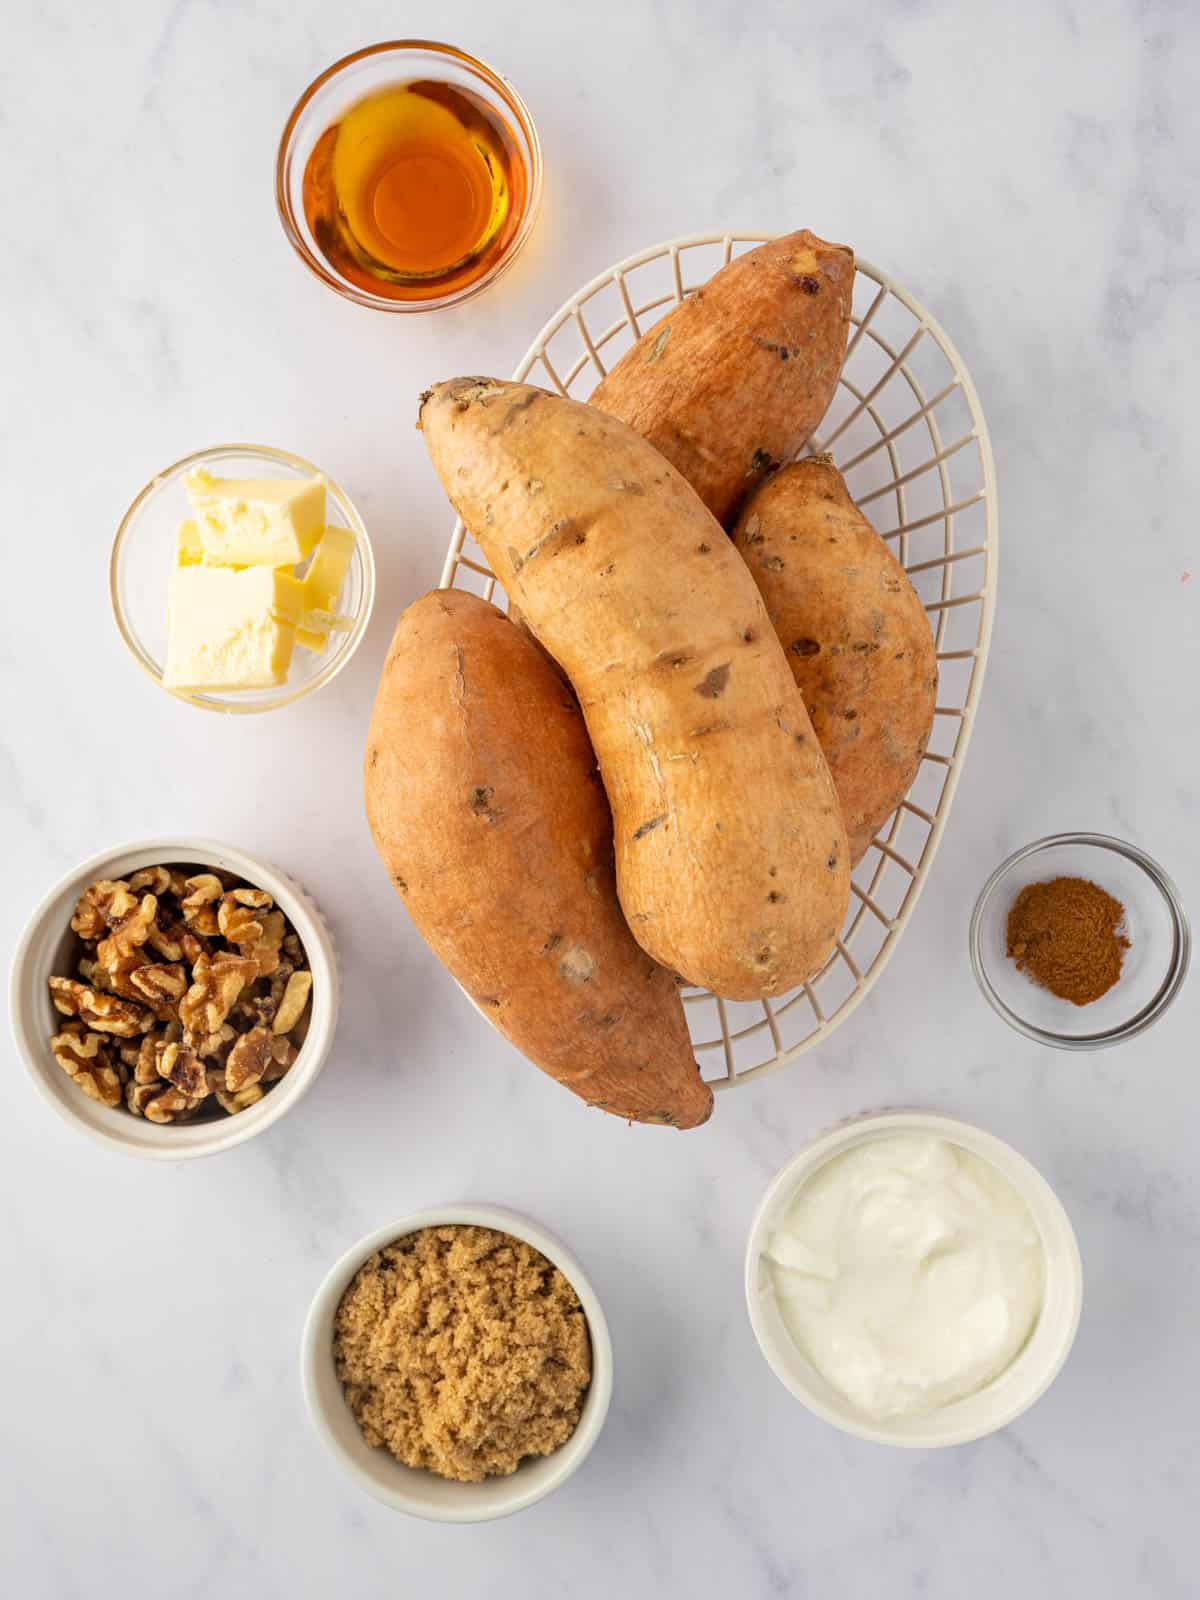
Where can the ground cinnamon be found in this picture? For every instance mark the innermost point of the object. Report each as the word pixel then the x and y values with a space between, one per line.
pixel 1068 934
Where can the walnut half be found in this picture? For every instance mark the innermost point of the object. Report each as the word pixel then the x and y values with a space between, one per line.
pixel 216 983
pixel 183 1067
pixel 160 983
pixel 95 907
pixel 168 1105
pixel 86 1059
pixel 105 1013
pixel 291 1006
pixel 248 1060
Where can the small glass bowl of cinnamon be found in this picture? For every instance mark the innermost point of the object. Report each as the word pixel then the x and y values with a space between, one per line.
pixel 1079 941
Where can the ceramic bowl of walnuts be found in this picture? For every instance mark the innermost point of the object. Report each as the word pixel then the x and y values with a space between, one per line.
pixel 174 998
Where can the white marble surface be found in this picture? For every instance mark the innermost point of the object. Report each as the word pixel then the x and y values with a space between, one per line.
pixel 1032 173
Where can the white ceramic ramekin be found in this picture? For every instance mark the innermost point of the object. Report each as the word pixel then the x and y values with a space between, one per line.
pixel 45 949
pixel 1019 1385
pixel 408 1489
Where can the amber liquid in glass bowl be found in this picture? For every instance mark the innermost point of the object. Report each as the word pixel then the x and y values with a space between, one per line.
pixel 416 191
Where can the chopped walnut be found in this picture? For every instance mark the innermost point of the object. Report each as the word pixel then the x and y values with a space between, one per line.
pixel 87 1060
pixel 145 1067
pixel 139 1095
pixel 217 981
pixel 100 906
pixel 238 921
pixel 283 1053
pixel 266 950
pixel 203 889
pixel 115 973
pixel 278 982
pixel 129 1051
pixel 201 920
pixel 198 906
pixel 175 941
pixel 295 998
pixel 169 1105
pixel 106 1013
pixel 242 1101
pixel 248 1060
pixel 164 941
pixel 256 899
pixel 157 880
pixel 109 1013
pixel 216 1046
pixel 239 911
pixel 129 931
pixel 66 995
pixel 254 1011
pixel 159 982
pixel 182 1067
pixel 192 994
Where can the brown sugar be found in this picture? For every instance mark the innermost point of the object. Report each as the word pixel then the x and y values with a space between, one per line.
pixel 463 1350
pixel 1068 934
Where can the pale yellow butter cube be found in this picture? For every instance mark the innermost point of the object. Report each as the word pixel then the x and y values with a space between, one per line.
pixel 322 586
pixel 259 522
pixel 189 552
pixel 316 626
pixel 229 628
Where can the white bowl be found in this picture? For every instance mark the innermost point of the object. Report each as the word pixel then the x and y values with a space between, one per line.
pixel 1019 1385
pixel 44 951
pixel 409 1489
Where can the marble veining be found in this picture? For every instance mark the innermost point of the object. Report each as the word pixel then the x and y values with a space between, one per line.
pixel 1032 173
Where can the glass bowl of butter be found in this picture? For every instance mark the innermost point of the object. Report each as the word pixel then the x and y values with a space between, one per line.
pixel 241 578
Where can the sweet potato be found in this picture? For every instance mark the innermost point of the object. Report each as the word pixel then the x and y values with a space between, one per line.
pixel 855 633
pixel 484 803
pixel 734 380
pixel 731 853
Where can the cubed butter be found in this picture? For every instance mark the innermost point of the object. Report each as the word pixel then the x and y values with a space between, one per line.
pixel 316 626
pixel 189 552
pixel 322 586
pixel 230 629
pixel 256 522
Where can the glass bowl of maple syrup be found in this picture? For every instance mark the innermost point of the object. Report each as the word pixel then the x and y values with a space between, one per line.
pixel 409 176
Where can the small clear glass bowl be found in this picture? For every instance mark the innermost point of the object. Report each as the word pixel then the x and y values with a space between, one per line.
pixel 1156 926
pixel 143 557
pixel 346 82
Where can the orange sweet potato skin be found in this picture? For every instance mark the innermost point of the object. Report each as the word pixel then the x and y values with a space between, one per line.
pixel 483 802
pixel 854 630
pixel 732 861
pixel 734 380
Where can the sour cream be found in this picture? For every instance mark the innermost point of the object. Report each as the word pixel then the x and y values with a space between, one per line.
pixel 909 1272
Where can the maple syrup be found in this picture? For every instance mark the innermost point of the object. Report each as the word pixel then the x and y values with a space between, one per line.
pixel 416 192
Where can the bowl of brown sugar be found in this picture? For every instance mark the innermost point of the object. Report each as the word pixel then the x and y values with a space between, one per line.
pixel 1080 941
pixel 458 1364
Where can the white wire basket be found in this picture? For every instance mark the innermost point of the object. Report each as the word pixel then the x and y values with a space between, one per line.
pixel 907 430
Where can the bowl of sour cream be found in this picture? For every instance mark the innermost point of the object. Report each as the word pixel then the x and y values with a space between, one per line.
pixel 913 1280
